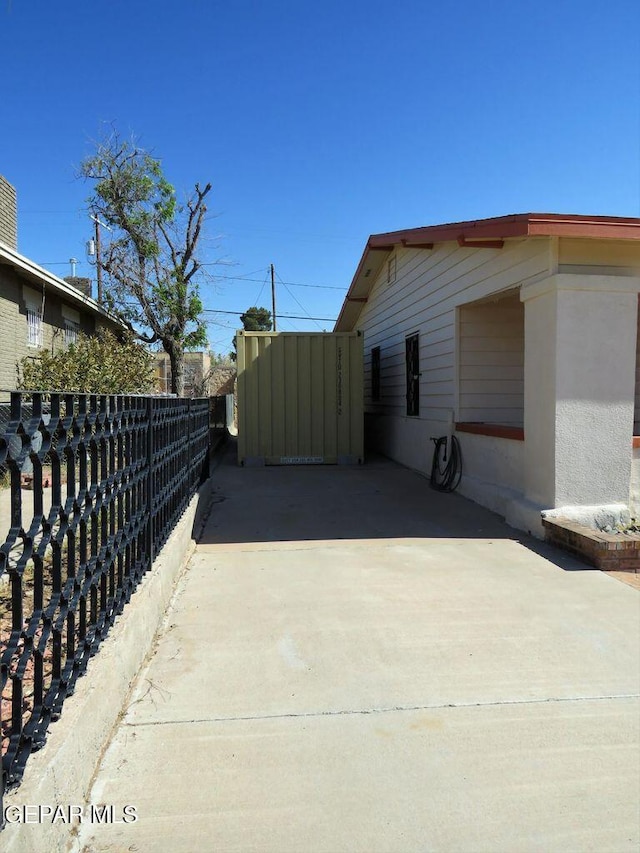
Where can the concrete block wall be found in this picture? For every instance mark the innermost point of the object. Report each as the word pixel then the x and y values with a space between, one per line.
pixel 196 373
pixel 223 380
pixel 13 325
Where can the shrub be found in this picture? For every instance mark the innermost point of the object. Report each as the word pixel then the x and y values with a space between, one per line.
pixel 102 364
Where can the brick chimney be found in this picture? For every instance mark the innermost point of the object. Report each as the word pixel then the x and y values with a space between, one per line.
pixel 81 284
pixel 8 214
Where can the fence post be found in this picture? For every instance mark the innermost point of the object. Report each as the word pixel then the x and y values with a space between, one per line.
pixel 190 451
pixel 150 533
pixel 206 468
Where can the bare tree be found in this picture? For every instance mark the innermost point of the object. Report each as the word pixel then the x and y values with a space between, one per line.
pixel 150 258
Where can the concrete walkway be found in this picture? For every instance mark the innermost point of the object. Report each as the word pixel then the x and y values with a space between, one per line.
pixel 356 663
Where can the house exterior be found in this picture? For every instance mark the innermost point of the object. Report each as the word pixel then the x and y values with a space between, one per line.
pixel 197 373
pixel 37 309
pixel 518 335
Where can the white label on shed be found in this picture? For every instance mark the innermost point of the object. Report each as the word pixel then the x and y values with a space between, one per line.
pixel 301 460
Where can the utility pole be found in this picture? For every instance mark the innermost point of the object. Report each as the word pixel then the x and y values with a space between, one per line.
pixel 273 298
pixel 97 224
pixel 98 267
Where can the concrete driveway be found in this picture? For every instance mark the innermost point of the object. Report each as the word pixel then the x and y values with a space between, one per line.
pixel 354 662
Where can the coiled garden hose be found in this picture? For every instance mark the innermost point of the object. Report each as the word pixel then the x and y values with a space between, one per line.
pixel 446 468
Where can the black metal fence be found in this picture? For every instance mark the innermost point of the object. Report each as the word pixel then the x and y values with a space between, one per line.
pixel 218 412
pixel 110 477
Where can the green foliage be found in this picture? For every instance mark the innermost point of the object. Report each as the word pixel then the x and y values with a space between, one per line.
pixel 221 359
pixel 256 319
pixel 94 365
pixel 150 254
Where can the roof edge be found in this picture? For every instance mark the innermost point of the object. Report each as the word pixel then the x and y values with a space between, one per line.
pixel 21 262
pixel 516 225
pixel 499 228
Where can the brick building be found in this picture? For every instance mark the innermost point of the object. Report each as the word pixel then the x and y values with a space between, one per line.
pixel 197 369
pixel 37 309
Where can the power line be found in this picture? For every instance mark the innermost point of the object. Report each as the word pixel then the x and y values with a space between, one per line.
pixel 286 316
pixel 232 277
pixel 231 326
pixel 57 263
pixel 290 283
pixel 257 299
pixel 296 300
pixel 255 272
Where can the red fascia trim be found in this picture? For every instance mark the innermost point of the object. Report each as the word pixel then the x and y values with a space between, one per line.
pixel 360 268
pixel 479 244
pixel 409 245
pixel 500 431
pixel 496 430
pixel 504 226
pixel 592 229
pixel 518 225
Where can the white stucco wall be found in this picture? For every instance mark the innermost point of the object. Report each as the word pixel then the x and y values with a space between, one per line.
pixel 492 470
pixel 580 356
pixel 634 488
pixel 636 411
pixel 540 335
pixel 595 395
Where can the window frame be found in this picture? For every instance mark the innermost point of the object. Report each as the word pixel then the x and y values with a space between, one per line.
pixel 71 331
pixel 34 325
pixel 412 371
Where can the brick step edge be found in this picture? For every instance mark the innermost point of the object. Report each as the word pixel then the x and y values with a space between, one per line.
pixel 609 552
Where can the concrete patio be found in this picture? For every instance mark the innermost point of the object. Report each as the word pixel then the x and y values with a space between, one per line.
pixel 353 662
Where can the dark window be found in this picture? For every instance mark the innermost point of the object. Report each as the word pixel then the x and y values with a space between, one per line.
pixel 412 356
pixel 375 374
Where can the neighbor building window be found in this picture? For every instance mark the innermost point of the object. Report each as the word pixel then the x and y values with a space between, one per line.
pixel 375 374
pixel 71 319
pixel 34 325
pixel 71 330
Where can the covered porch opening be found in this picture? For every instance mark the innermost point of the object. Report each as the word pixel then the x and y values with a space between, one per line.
pixel 489 412
pixel 490 398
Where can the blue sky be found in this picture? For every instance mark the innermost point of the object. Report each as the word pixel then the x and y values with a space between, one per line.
pixel 319 124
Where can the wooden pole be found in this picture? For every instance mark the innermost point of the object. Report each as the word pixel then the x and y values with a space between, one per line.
pixel 98 267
